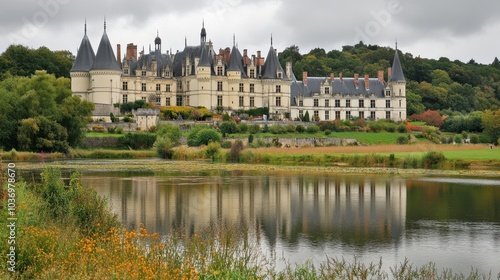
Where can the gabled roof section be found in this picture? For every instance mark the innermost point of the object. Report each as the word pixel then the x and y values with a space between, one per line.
pixel 272 66
pixel 397 70
pixel 204 57
pixel 85 57
pixel 236 62
pixel 105 58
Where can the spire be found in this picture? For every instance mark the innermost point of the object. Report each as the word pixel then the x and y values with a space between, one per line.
pixel 85 55
pixel 105 58
pixel 397 71
pixel 271 39
pixel 104 23
pixel 203 34
pixel 185 41
pixel 85 26
pixel 234 40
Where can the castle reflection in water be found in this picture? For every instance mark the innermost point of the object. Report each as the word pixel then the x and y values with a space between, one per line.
pixel 351 209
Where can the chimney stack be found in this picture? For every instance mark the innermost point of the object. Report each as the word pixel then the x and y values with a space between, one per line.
pixel 289 69
pixel 356 82
pixel 119 53
pixel 367 82
pixel 332 77
pixel 245 57
pixel 131 51
pixel 304 78
pixel 340 76
pixel 381 76
pixel 389 73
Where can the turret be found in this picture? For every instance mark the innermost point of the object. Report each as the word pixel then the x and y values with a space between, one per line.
pixel 80 76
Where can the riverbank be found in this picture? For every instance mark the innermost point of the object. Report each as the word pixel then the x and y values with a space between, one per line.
pixel 67 232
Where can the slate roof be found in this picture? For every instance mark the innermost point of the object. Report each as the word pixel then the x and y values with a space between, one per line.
pixel 344 87
pixel 397 70
pixel 105 58
pixel 271 66
pixel 85 56
pixel 146 62
pixel 204 57
pixel 180 58
pixel 236 62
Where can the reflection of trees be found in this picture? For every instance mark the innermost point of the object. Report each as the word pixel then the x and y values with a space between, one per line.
pixel 351 210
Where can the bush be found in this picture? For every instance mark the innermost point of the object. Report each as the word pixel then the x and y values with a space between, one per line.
pixel 290 128
pixel 225 144
pixel 312 129
pixel 250 139
pixel 137 141
pixel 458 139
pixel 192 135
pixel 254 129
pixel 212 150
pixel 54 194
pixel 391 127
pixel 206 136
pixel 228 127
pixel 235 152
pixel 98 128
pixel 402 140
pixel 119 130
pixel 277 129
pixel 171 131
pixel 433 160
pixel 243 127
pixel 327 132
pixel 402 128
pixel 474 139
pixel 485 139
pixel 375 126
pixel 164 147
pixel 300 128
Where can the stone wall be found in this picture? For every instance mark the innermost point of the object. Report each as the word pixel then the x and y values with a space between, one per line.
pixel 100 142
pixel 303 142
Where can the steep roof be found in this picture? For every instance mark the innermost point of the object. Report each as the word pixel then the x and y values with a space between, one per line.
pixel 85 56
pixel 236 62
pixel 397 70
pixel 105 58
pixel 271 66
pixel 204 57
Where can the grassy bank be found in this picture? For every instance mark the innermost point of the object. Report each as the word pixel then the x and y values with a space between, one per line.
pixel 66 232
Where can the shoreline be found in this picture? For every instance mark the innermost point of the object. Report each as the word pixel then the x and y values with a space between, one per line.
pixel 159 165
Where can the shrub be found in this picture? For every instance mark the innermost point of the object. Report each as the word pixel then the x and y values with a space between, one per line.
pixel 225 144
pixel 290 128
pixel 136 141
pixel 111 129
pixel 228 127
pixel 433 160
pixel 119 130
pixel 164 147
pixel 250 139
pixel 375 126
pixel 327 132
pixel 98 128
pixel 458 139
pixel 243 127
pixel 235 152
pixel 192 135
pixel 402 128
pixel 212 150
pixel 206 136
pixel 485 139
pixel 391 127
pixel 474 139
pixel 254 129
pixel 300 128
pixel 402 140
pixel 173 132
pixel 54 194
pixel 265 129
pixel 312 129
pixel 277 129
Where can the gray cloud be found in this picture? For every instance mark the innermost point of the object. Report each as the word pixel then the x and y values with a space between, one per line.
pixel 454 27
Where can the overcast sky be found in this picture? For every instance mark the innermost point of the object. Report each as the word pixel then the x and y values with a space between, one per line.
pixel 427 28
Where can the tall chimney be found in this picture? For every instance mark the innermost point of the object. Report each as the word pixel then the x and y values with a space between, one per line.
pixel 245 57
pixel 340 76
pixel 389 73
pixel 356 83
pixel 304 78
pixel 367 82
pixel 119 53
pixel 381 76
pixel 332 77
pixel 289 69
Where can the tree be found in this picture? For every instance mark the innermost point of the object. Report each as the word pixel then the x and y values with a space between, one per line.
pixel 414 103
pixel 491 124
pixel 42 135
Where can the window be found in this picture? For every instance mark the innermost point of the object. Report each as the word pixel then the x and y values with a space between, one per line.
pixel 399 103
pixel 158 99
pixel 361 115
pixel 372 115
pixel 252 101
pixel 388 115
pixel 241 87
pixel 337 115
pixel 167 101
pixel 143 87
pixel 301 102
pixel 399 92
pixel 372 103
pixel 125 99
pixel 241 101
pixel 167 88
pixel 278 101
pixel 316 102
pixel 278 88
pixel 337 103
pixel 361 103
pixel 387 104
pixel 187 86
pixel 347 115
pixel 143 73
pixel 125 71
pixel 167 74
pixel 219 100
pixel 219 70
pixel 301 114
pixel 327 115
pixel 252 73
pixel 327 90
pixel 316 115
pixel 179 86
pixel 144 98
pixel 219 86
pixel 158 87
pixel 252 88
pixel 280 75
pixel 348 103
pixel 327 103
pixel 178 100
pixel 125 86
pixel 387 93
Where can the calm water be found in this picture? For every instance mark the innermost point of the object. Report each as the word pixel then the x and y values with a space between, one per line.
pixel 451 221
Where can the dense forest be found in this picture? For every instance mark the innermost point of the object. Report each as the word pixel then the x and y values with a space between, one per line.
pixel 444 85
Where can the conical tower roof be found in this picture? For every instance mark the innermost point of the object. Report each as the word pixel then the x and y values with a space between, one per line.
pixel 236 61
pixel 204 57
pixel 105 58
pixel 85 56
pixel 272 66
pixel 397 70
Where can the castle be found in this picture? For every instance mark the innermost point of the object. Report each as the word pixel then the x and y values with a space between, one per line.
pixel 228 80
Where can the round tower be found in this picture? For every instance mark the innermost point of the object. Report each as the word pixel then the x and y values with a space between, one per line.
pixel 79 73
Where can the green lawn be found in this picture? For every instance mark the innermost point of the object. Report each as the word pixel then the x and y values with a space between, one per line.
pixel 102 134
pixel 485 154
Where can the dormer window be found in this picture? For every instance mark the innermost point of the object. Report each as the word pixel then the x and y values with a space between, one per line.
pixel 125 71
pixel 143 73
pixel 387 93
pixel 252 73
pixel 280 75
pixel 219 70
pixel 327 90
